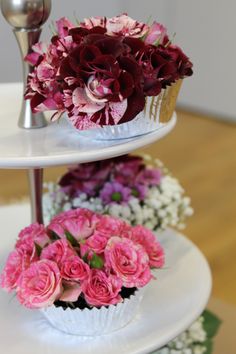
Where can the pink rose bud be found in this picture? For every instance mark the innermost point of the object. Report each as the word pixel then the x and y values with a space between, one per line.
pixel 39 285
pixel 71 291
pixel 156 34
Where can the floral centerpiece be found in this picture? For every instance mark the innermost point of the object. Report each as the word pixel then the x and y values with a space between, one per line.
pixel 103 71
pixel 137 189
pixel 84 270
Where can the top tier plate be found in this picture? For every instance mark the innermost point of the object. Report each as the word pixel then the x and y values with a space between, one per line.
pixel 57 144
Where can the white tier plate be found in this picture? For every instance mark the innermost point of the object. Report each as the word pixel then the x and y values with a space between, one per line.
pixel 58 143
pixel 170 305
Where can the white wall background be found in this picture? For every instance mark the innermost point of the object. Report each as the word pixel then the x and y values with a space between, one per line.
pixel 206 29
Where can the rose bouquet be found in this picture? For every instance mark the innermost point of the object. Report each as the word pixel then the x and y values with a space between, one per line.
pixel 105 71
pixel 136 189
pixel 85 271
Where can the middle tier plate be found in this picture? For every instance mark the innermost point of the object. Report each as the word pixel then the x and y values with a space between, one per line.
pixel 170 305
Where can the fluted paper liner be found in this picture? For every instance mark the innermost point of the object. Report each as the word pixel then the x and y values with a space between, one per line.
pixel 157 112
pixel 91 322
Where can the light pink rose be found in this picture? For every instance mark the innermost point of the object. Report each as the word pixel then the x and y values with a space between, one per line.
pixel 58 252
pixel 156 34
pixel 74 269
pixel 71 291
pixel 148 240
pixel 125 26
pixel 17 262
pixel 39 285
pixel 128 261
pixel 35 233
pixel 97 242
pixel 101 289
pixel 79 222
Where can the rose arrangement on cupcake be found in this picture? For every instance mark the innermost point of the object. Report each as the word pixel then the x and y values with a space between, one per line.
pixel 81 260
pixel 136 189
pixel 101 71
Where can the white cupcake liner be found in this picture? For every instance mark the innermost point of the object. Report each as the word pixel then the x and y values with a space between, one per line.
pixel 158 111
pixel 92 322
pixel 142 124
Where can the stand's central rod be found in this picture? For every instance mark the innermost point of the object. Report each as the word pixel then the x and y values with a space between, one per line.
pixel 36 188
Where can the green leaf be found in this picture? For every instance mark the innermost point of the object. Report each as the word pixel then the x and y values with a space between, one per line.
pixel 208 344
pixel 71 239
pixel 211 323
pixel 53 236
pixel 96 262
pixel 85 257
pixel 38 249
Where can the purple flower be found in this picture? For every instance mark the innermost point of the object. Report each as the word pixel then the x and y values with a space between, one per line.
pixel 149 177
pixel 115 193
pixel 139 191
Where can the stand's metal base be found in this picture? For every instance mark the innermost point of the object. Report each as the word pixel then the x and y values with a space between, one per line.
pixel 36 188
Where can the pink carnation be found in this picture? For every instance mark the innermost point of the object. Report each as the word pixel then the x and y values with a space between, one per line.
pixel 74 269
pixel 147 239
pixel 102 289
pixel 58 251
pixel 125 26
pixel 39 285
pixel 128 261
pixel 35 233
pixel 17 262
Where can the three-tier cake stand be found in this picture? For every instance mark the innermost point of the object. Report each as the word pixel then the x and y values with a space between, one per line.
pixel 170 305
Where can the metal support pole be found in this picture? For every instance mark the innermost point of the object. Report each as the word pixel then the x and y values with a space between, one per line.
pixel 36 189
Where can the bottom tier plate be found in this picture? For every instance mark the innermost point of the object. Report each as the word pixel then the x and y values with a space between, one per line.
pixel 170 305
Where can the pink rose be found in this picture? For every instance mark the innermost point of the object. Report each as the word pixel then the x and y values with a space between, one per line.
pixel 39 285
pixel 71 291
pixel 153 248
pixel 156 34
pixel 58 252
pixel 17 262
pixel 128 261
pixel 110 226
pixel 102 289
pixel 97 242
pixel 80 223
pixel 125 26
pixel 74 269
pixel 35 233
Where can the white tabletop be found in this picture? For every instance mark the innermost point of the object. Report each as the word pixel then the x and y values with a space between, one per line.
pixel 58 143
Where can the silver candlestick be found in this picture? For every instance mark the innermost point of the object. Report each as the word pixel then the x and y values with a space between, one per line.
pixel 26 17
